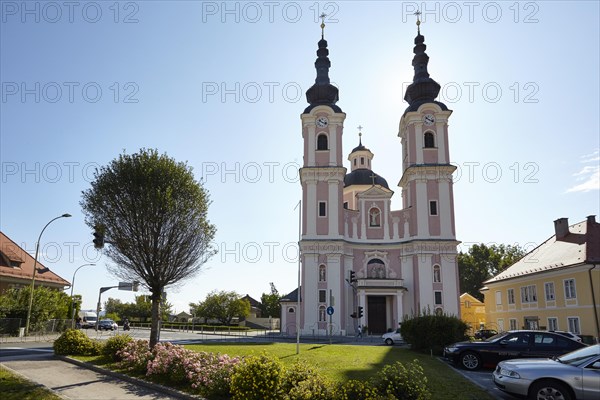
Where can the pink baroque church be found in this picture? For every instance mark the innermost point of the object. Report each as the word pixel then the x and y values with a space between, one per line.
pixel 367 263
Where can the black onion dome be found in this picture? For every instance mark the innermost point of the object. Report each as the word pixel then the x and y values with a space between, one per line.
pixel 362 176
pixel 322 92
pixel 423 89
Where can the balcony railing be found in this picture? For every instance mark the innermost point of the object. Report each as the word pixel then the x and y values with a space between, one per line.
pixel 380 283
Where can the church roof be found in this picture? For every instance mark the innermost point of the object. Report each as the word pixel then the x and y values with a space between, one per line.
pixel 322 92
pixel 579 245
pixel 291 297
pixel 363 176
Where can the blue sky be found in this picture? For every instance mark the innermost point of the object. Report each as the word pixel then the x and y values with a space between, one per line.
pixel 221 86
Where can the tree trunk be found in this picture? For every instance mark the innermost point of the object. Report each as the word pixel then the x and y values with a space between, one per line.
pixel 156 314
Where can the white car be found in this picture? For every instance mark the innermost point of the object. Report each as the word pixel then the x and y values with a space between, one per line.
pixel 570 335
pixel 392 337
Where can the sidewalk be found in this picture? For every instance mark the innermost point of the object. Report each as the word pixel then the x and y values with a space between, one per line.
pixel 69 380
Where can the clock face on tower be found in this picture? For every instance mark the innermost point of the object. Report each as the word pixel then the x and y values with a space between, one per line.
pixel 322 122
pixel 428 119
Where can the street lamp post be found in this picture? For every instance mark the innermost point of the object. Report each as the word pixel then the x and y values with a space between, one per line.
pixel 72 286
pixel 37 249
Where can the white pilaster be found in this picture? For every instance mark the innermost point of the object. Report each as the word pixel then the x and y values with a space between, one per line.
pixel 445 208
pixel 334 280
pixel 386 220
pixel 441 142
pixel 422 209
pixel 332 145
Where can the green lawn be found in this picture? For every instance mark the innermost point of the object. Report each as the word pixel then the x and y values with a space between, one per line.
pixel 343 362
pixel 13 387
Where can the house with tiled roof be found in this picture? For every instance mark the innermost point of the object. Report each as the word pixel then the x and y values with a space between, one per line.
pixel 16 268
pixel 472 311
pixel 556 286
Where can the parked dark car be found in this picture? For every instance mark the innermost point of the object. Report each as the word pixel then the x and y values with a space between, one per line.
pixel 107 324
pixel 485 333
pixel 507 345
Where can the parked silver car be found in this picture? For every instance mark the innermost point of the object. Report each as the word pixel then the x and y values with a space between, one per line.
pixel 572 376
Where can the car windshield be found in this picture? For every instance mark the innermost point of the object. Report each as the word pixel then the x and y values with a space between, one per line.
pixel 580 356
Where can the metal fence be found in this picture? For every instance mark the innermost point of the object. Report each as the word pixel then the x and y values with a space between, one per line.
pixel 42 330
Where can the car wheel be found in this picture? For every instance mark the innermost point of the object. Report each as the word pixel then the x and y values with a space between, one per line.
pixel 470 360
pixel 549 390
pixel 389 341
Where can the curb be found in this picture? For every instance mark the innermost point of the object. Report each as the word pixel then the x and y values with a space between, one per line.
pixel 467 377
pixel 150 385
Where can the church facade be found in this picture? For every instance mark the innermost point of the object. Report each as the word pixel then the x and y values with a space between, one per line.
pixel 362 263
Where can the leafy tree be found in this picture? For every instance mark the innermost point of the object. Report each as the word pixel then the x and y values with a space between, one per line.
pixel 481 263
pixel 270 303
pixel 47 304
pixel 222 306
pixel 140 310
pixel 153 215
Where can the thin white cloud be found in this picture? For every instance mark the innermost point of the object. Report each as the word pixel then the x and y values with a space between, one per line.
pixel 588 177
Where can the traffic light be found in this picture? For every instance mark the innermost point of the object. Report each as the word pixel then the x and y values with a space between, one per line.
pixel 98 236
pixel 352 277
pixel 360 312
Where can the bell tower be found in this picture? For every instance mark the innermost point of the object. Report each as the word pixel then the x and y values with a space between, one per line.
pixel 427 192
pixel 322 179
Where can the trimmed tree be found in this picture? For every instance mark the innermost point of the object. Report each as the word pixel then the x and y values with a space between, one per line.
pixel 153 214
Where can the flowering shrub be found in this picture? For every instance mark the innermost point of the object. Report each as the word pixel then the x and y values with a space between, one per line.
pixel 210 373
pixel 314 387
pixel 257 378
pixel 76 343
pixel 135 356
pixel 355 390
pixel 298 372
pixel 407 382
pixel 115 344
pixel 167 361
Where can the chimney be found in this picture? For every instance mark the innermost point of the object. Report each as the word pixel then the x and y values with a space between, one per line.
pixel 591 219
pixel 561 228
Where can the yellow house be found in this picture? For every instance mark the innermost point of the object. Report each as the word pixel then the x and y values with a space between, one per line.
pixel 472 311
pixel 554 287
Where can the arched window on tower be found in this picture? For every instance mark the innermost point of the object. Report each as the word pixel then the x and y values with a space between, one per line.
pixel 322 142
pixel 437 274
pixel 429 140
pixel 322 314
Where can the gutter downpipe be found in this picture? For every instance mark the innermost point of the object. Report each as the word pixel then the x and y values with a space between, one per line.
pixel 594 304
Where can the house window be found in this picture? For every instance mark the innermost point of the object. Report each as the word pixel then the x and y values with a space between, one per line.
pixel 570 292
pixel 362 161
pixel 510 294
pixel 355 162
pixel 552 324
pixel 501 325
pixel 322 142
pixel 574 325
pixel 467 304
pixel 322 209
pixel 433 207
pixel 345 205
pixel 549 290
pixel 322 273
pixel 322 296
pixel 291 310
pixel 528 294
pixel 513 324
pixel 437 274
pixel 374 217
pixel 437 298
pixel 498 298
pixel 429 140
pixel 322 314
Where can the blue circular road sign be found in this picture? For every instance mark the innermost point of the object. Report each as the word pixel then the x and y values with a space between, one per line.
pixel 329 310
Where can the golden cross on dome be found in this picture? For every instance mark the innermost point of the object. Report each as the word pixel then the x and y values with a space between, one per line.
pixel 322 16
pixel 418 14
